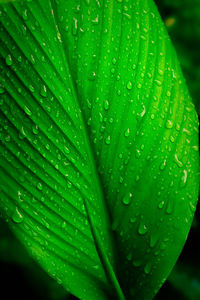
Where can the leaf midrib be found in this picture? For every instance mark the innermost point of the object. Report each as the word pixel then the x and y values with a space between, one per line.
pixel 108 269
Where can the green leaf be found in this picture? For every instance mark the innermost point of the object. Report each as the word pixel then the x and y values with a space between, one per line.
pixel 99 144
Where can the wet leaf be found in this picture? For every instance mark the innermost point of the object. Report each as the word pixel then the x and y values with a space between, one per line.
pixel 99 144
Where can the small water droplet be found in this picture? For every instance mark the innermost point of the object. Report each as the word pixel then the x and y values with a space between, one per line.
pixel 134 66
pixel 31 88
pixel 169 124
pixel 147 268
pixel 127 132
pixel 142 229
pixel 39 186
pixel 137 154
pixel 178 162
pixel 127 199
pixel 163 165
pixel 168 93
pixel 158 82
pixel 27 111
pixel 183 178
pixel 43 91
pixel 64 224
pixel 161 204
pixel 75 26
pixel 92 76
pixel 178 126
pixel 107 141
pixel 114 60
pixel 35 129
pixel 9 60
pixel 67 151
pixel 106 105
pixel 195 148
pixel 129 85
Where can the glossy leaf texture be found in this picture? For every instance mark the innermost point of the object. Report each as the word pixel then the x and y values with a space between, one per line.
pixel 99 143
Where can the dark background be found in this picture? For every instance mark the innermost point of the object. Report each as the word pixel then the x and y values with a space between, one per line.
pixel 24 279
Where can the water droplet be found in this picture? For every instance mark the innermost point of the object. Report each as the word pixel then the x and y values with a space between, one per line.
pixel 127 199
pixel 178 162
pixel 161 204
pixel 67 151
pixel 163 165
pixel 172 139
pixel 92 76
pixel 195 148
pixel 127 132
pixel 168 93
pixel 39 186
pixel 107 141
pixel 9 60
pixel 129 85
pixel 178 126
pixel 169 124
pixel 25 15
pixel 43 91
pixel 152 116
pixel 133 219
pixel 137 178
pixel 114 60
pixel 106 105
pixel 147 268
pixel 27 111
pixel 35 129
pixel 75 26
pixel 137 154
pixel 183 178
pixel 64 224
pixel 31 88
pixel 142 229
pixel 17 216
pixel 158 82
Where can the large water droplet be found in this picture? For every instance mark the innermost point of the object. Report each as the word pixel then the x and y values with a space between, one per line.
pixel 127 199
pixel 17 216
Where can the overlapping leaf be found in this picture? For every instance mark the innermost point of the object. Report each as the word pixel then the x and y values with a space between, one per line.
pixel 99 143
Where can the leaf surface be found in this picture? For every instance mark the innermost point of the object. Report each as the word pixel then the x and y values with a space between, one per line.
pixel 99 144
